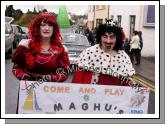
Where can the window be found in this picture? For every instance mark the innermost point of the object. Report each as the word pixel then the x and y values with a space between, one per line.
pixel 99 21
pixel 119 20
pixel 149 16
pixel 132 24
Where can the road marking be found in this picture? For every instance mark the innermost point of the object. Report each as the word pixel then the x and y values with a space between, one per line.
pixel 138 78
pixel 144 83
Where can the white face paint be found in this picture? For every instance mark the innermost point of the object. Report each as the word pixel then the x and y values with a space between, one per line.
pixel 108 41
pixel 46 30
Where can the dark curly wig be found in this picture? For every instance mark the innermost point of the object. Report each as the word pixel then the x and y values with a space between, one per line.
pixel 104 28
pixel 35 38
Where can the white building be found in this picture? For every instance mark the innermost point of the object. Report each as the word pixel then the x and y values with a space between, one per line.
pixel 97 14
pixel 134 17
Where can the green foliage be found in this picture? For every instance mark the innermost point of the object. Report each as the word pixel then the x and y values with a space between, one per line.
pixel 21 18
pixel 34 12
pixel 9 11
pixel 17 14
pixel 26 19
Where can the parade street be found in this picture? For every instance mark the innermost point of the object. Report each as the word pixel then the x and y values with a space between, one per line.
pixel 144 77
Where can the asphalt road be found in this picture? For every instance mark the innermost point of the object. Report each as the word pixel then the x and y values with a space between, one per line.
pixel 12 87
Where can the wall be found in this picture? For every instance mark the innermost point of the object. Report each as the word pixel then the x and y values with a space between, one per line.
pixel 148 32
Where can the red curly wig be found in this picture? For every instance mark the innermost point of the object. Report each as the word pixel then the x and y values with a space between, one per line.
pixel 34 33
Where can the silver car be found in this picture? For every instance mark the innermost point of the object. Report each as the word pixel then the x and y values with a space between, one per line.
pixel 9 38
pixel 74 44
pixel 19 34
pixel 25 31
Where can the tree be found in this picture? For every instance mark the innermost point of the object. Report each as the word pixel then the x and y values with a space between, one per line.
pixel 17 14
pixel 29 12
pixel 34 12
pixel 26 19
pixel 9 11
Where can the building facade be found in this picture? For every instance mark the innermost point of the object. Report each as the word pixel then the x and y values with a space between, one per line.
pixel 140 18
pixel 97 14
pixel 130 18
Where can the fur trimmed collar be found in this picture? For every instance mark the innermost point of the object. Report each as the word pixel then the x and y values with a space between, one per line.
pixel 96 60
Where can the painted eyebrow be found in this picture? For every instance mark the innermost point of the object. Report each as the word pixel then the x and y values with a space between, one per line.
pixel 104 35
pixel 111 35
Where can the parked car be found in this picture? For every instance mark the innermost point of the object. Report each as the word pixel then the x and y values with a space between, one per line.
pixel 67 30
pixel 9 19
pixel 74 44
pixel 19 34
pixel 25 30
pixel 9 38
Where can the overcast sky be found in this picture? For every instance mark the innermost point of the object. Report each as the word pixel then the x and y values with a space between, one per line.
pixel 75 9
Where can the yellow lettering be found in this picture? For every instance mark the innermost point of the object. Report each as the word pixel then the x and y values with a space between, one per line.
pixel 121 92
pixel 113 91
pixel 56 89
pixel 67 89
pixel 53 89
pixel 46 88
pixel 87 90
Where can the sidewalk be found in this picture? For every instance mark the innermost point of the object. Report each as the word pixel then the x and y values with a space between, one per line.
pixel 146 69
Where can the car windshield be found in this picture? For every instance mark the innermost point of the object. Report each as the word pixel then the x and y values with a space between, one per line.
pixel 67 30
pixel 74 39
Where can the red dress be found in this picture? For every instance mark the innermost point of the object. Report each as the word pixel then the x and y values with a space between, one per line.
pixel 99 67
pixel 46 63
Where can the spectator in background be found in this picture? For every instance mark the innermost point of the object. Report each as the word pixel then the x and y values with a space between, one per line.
pixel 89 36
pixel 94 35
pixel 126 46
pixel 123 35
pixel 135 48
pixel 140 39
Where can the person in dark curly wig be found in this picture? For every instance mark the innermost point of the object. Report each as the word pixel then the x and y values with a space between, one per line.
pixel 105 63
pixel 43 54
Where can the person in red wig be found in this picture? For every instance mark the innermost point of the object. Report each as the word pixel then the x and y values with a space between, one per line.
pixel 41 55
